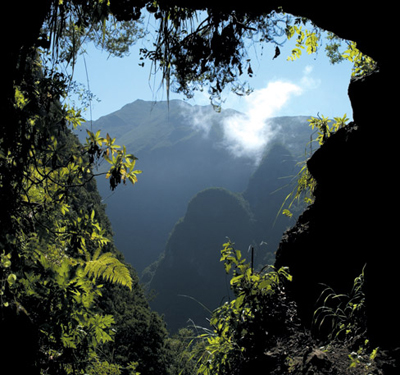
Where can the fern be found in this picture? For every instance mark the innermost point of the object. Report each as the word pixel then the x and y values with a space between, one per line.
pixel 109 268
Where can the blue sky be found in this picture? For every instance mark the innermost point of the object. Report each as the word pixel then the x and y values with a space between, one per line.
pixel 307 86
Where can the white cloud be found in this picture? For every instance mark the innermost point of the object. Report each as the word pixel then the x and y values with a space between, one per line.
pixel 248 134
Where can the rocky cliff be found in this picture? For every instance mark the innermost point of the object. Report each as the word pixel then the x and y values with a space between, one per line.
pixel 351 223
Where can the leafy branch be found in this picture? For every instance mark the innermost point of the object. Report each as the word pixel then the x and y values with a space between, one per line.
pixel 310 40
pixel 122 164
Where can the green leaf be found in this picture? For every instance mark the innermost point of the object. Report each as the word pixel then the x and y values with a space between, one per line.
pixel 11 279
pixel 239 301
pixel 236 279
pixel 109 268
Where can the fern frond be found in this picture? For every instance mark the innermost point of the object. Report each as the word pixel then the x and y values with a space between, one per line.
pixel 109 268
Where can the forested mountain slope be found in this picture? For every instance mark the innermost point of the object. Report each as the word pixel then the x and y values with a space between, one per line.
pixel 189 280
pixel 177 161
pixel 190 274
pixel 182 150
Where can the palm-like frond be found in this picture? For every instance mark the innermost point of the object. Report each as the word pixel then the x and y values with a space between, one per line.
pixel 108 267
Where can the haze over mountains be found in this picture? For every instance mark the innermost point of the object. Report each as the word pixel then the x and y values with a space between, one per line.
pixel 182 150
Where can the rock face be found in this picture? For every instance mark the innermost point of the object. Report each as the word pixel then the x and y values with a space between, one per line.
pixel 350 224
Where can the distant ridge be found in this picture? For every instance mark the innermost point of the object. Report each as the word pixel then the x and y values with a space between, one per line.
pixel 181 152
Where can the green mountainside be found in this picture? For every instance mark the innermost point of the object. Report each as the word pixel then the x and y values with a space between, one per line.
pixel 190 270
pixel 181 152
pixel 189 275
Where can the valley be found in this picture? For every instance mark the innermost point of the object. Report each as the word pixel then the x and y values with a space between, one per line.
pixel 197 190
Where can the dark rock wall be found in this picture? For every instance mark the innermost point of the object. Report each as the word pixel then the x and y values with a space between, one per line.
pixel 353 219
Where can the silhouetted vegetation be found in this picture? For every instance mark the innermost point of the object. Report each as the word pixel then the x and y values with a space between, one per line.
pixel 69 303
